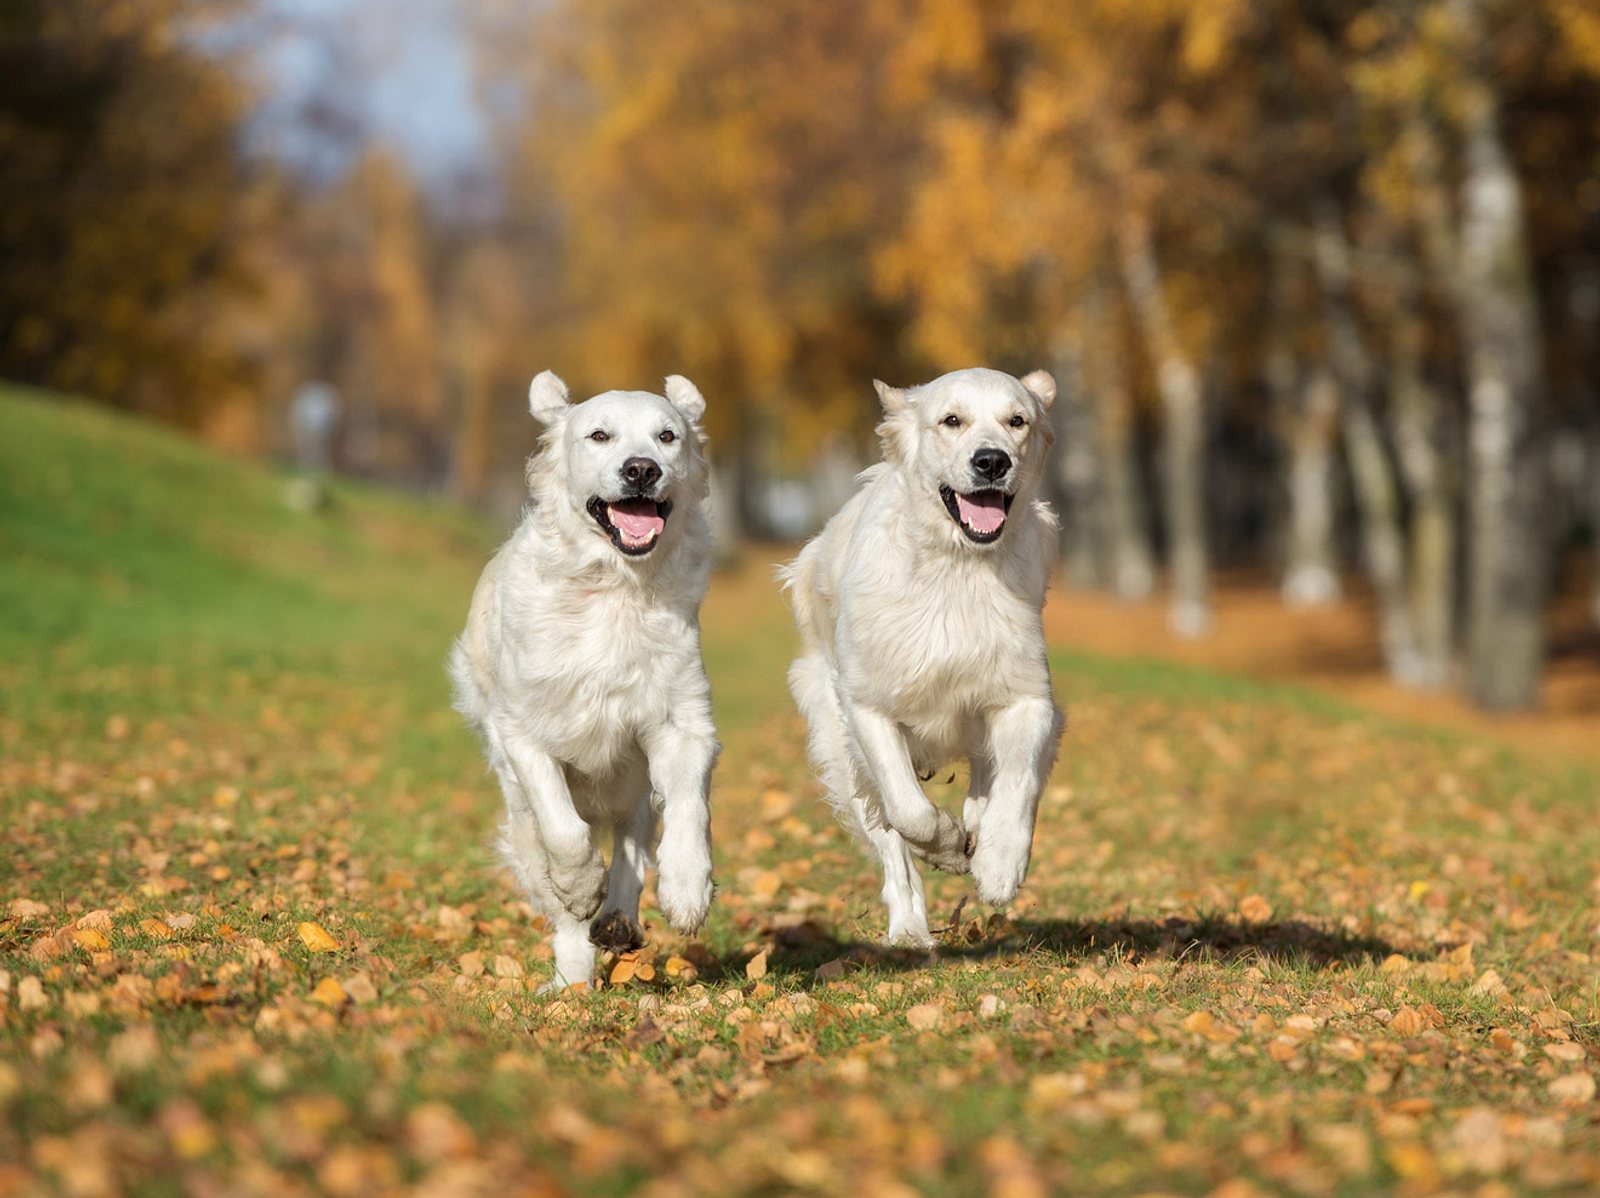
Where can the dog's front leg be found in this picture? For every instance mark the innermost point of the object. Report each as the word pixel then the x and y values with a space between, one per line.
pixel 1022 746
pixel 681 757
pixel 933 835
pixel 577 871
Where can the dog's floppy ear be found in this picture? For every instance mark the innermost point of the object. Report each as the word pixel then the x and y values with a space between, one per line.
pixel 1041 384
pixel 686 397
pixel 547 397
pixel 893 399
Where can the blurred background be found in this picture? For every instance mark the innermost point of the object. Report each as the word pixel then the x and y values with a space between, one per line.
pixel 1319 279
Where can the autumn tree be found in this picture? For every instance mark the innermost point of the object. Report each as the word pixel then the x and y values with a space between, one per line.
pixel 124 201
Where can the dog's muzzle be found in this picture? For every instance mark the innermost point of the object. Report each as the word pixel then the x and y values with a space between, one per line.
pixel 633 522
pixel 981 515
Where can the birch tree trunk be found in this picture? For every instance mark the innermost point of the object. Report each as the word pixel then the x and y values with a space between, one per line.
pixel 1377 495
pixel 1423 440
pixel 1130 559
pixel 1307 403
pixel 1183 445
pixel 1077 487
pixel 1508 550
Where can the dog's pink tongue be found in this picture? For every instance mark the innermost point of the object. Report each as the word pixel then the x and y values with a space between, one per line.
pixel 638 520
pixel 983 512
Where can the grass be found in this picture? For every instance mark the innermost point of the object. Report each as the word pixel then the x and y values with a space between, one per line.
pixel 1268 945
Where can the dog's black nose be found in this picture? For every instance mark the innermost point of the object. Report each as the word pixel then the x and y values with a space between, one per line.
pixel 991 464
pixel 642 472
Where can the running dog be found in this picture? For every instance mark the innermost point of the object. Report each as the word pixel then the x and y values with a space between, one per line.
pixel 580 667
pixel 919 614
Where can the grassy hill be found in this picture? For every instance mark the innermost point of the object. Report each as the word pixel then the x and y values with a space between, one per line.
pixel 1268 945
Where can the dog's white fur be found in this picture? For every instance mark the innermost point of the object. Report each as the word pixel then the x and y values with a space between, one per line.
pixel 580 666
pixel 920 646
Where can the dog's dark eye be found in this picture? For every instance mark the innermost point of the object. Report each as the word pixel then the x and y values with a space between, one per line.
pixel 1018 422
pixel 599 436
pixel 667 436
pixel 951 421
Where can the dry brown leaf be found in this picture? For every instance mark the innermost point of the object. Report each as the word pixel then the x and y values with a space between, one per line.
pixel 1408 1021
pixel 507 967
pixel 1573 1090
pixel 756 968
pixel 470 964
pixel 30 994
pixel 622 972
pixel 315 937
pixel 1255 909
pixel 1564 1050
pixel 155 929
pixel 925 1016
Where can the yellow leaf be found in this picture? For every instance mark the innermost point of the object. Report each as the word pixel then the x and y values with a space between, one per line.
pixel 1255 909
pixel 155 929
pixel 329 993
pixel 91 938
pixel 316 938
pixel 756 968
pixel 678 967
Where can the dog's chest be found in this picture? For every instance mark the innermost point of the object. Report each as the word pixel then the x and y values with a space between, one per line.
pixel 938 646
pixel 595 668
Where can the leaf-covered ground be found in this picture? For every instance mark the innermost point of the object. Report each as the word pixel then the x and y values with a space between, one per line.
pixel 252 940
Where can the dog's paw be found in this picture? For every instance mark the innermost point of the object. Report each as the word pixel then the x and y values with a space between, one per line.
pixel 559 985
pixel 950 848
pixel 999 866
pixel 684 896
pixel 580 889
pixel 909 938
pixel 616 933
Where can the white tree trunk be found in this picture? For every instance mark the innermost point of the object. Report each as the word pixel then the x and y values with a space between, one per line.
pixel 1130 559
pixel 1377 495
pixel 1077 490
pixel 1422 438
pixel 1183 445
pixel 1508 549
pixel 1307 405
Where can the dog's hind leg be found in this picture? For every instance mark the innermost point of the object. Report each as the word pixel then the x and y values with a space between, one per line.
pixel 617 928
pixel 902 889
pixel 524 853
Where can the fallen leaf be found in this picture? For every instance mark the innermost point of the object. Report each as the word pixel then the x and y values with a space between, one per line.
pixel 329 993
pixel 1408 1021
pixel 925 1016
pixel 92 939
pixel 1575 1089
pixel 1255 909
pixel 316 938
pixel 756 968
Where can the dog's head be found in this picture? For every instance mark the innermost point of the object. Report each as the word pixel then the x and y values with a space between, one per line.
pixel 621 461
pixel 969 444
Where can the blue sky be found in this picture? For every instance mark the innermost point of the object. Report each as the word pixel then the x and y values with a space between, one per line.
pixel 402 68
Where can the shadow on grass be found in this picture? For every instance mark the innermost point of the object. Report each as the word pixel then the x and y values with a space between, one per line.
pixel 813 951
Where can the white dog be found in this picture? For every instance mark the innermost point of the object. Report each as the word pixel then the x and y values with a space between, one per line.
pixel 580 665
pixel 919 613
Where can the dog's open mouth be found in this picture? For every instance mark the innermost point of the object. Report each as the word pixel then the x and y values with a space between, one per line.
pixel 634 525
pixel 981 514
